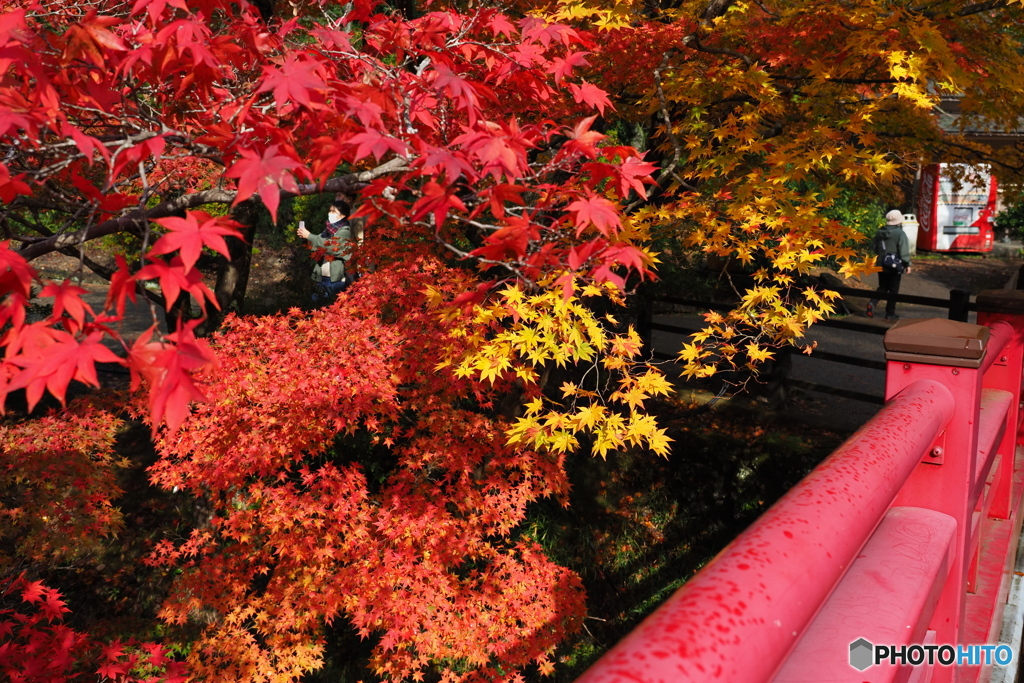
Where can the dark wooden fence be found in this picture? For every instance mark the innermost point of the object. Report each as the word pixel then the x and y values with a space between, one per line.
pixel 956 307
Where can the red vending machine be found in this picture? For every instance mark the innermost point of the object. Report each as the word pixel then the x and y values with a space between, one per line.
pixel 956 216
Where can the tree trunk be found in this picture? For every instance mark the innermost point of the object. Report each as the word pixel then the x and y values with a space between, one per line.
pixel 233 274
pixel 179 312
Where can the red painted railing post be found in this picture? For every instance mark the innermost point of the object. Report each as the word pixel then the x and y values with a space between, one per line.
pixel 951 353
pixel 1005 306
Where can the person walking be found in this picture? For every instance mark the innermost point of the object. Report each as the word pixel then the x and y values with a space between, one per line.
pixel 892 249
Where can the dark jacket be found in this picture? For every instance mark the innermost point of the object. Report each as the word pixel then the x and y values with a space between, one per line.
pixel 895 242
pixel 336 240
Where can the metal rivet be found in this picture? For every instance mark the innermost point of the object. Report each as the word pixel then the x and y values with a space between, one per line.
pixel 936 452
pixel 906 366
pixel 956 372
pixel 1003 359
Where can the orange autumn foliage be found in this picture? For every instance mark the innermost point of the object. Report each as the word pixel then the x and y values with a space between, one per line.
pixel 423 556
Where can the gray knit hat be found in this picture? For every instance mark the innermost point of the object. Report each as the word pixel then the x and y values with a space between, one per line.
pixel 894 217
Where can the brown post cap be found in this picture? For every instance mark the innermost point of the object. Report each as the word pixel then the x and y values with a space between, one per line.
pixel 936 341
pixel 1010 301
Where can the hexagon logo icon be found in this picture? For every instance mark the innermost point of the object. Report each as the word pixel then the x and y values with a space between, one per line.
pixel 861 654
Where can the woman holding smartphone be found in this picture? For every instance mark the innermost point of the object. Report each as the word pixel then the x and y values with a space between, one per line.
pixel 336 241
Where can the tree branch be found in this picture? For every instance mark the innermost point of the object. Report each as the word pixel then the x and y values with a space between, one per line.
pixel 136 221
pixel 677 148
pixel 108 273
pixel 976 8
pixel 716 8
pixel 694 44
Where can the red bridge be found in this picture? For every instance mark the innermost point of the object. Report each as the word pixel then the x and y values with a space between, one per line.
pixel 892 557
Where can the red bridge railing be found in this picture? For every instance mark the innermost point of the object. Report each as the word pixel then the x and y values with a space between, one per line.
pixel 904 536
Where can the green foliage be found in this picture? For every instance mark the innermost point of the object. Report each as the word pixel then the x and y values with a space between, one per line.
pixel 1011 220
pixel 854 211
pixel 623 132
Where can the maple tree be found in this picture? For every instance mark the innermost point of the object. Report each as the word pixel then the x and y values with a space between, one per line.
pixel 431 117
pixel 373 461
pixel 765 113
pixel 58 487
pixel 445 584
pixel 143 120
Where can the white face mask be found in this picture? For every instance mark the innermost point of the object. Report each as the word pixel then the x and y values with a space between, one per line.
pixel 334 217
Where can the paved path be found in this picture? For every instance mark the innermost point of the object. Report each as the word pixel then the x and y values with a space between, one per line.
pixel 840 413
pixel 138 316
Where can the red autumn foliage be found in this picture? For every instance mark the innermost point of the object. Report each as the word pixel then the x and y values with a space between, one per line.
pixel 37 647
pixel 440 122
pixel 346 475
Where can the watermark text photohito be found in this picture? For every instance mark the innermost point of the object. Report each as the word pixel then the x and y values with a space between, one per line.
pixel 864 654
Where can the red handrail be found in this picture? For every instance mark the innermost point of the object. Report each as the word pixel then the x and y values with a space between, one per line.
pixel 741 617
pixel 738 618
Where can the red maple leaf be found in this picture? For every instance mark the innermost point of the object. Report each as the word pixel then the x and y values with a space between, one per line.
pixel 582 140
pixel 437 200
pixel 510 241
pixel 88 39
pixel 579 255
pixel 33 591
pixel 174 279
pixel 597 211
pixel 16 275
pixel 67 297
pixel 546 33
pixel 627 255
pixel 502 193
pixel 52 607
pixel 293 81
pixel 122 285
pixel 157 654
pixel 168 369
pixel 88 146
pixel 192 233
pixel 112 651
pixel 500 25
pixel 604 273
pixel 61 361
pixel 155 8
pixel 330 38
pixel 189 35
pixel 562 68
pixel 150 147
pixel 467 300
pixel 630 174
pixel 11 188
pixel 264 175
pixel 12 26
pixel 112 670
pixel 454 164
pixel 588 93
pixel 374 142
pixel 633 173
pixel 459 89
pixel 501 149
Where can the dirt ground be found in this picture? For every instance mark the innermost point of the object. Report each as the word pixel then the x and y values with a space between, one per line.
pixel 278 271
pixel 971 272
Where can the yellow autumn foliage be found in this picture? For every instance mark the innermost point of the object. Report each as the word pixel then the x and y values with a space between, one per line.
pixel 523 336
